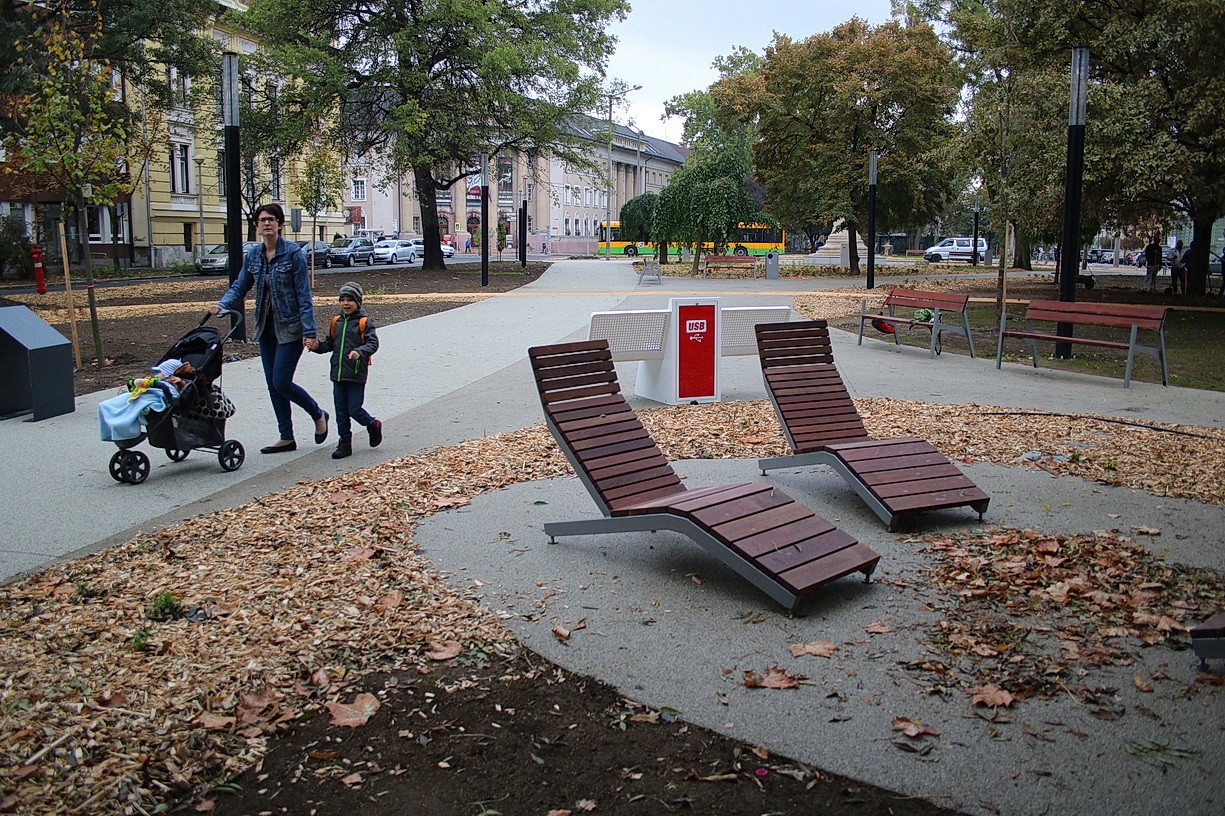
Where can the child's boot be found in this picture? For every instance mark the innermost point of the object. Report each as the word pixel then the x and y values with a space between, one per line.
pixel 375 429
pixel 343 448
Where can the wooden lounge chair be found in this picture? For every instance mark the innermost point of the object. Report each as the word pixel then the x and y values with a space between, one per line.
pixel 894 476
pixel 780 546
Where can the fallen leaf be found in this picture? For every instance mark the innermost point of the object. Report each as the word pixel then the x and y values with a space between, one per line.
pixel 992 696
pixel 913 729
pixel 820 648
pixel 353 780
pixel 351 715
pixel 561 633
pixel 878 628
pixel 444 649
pixel 774 677
pixel 213 722
pixel 358 554
pixel 1141 682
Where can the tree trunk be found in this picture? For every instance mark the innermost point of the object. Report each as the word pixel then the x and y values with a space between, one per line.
pixel 88 262
pixel 1023 254
pixel 1197 270
pixel 853 245
pixel 427 197
pixel 661 252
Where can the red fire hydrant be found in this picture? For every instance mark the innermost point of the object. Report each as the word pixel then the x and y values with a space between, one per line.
pixel 40 282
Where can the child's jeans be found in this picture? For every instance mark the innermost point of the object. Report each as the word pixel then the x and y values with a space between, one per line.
pixel 349 397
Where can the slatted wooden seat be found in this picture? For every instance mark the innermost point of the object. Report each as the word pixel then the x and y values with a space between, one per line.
pixel 776 543
pixel 1208 638
pixel 895 477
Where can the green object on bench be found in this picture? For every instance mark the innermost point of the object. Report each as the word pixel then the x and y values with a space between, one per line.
pixel 1108 315
pixel 768 538
pixel 939 304
pixel 895 477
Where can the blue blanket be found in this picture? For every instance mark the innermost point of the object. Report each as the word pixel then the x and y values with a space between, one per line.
pixel 121 417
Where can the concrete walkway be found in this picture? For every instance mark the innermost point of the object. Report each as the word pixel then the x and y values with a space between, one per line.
pixel 651 630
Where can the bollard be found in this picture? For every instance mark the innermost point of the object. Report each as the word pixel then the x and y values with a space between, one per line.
pixel 40 282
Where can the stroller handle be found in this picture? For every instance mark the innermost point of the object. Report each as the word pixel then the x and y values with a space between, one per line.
pixel 238 317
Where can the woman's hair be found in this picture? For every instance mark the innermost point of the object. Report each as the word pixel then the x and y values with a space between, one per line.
pixel 274 210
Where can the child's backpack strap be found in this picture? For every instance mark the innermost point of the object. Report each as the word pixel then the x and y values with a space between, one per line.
pixel 361 332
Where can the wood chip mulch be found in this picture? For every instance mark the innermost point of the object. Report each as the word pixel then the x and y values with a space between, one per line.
pixel 156 670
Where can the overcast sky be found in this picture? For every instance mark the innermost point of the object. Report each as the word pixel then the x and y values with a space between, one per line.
pixel 667 46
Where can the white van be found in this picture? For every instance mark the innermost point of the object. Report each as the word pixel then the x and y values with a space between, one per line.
pixel 957 248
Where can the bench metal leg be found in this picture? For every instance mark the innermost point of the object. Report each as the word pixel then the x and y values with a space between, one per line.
pixel 999 343
pixel 965 322
pixel 1131 356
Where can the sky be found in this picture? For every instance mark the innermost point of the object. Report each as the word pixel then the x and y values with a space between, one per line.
pixel 667 46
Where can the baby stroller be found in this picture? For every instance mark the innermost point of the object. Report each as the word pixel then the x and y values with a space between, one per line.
pixel 196 419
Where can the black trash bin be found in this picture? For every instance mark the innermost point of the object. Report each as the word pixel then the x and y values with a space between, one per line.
pixel 35 366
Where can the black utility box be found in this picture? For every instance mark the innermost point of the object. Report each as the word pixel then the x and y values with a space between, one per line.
pixel 35 366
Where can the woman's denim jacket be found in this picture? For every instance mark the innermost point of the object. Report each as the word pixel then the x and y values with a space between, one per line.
pixel 292 306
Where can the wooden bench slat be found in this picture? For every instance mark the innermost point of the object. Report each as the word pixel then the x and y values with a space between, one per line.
pixel 838 563
pixel 785 559
pixel 785 535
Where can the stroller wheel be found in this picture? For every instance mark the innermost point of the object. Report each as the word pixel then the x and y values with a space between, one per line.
pixel 133 467
pixel 116 467
pixel 231 455
pixel 176 455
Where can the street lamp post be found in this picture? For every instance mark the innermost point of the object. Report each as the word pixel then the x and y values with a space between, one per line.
pixel 200 204
pixel 608 189
pixel 1069 254
pixel 233 179
pixel 871 219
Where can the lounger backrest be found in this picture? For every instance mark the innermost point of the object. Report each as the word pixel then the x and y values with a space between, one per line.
pixel 813 405
pixel 610 450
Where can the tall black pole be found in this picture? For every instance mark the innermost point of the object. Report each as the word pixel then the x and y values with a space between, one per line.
pixel 484 219
pixel 233 181
pixel 974 251
pixel 871 219
pixel 522 237
pixel 1069 252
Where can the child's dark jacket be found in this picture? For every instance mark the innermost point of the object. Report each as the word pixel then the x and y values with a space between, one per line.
pixel 349 338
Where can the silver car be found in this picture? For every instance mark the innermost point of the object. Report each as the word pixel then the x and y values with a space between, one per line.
pixel 395 251
pixel 419 247
pixel 350 251
pixel 217 260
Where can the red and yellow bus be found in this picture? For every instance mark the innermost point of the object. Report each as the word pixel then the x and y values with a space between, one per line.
pixel 746 239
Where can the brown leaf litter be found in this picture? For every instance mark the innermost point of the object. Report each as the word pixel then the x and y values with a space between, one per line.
pixel 278 605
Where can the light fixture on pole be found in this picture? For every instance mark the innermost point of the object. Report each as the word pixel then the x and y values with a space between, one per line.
pixel 871 219
pixel 1069 250
pixel 200 205
pixel 608 188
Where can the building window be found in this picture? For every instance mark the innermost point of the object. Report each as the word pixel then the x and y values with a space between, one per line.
pixel 277 194
pixel 587 196
pixel 417 223
pixel 567 225
pixel 359 189
pixel 178 87
pixel 531 191
pixel 180 168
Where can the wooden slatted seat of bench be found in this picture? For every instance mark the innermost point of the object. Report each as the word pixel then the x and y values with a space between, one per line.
pixel 1208 638
pixel 768 538
pixel 729 263
pixel 1107 315
pixel 895 477
pixel 941 304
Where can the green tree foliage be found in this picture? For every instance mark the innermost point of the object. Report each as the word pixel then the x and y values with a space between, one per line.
pixel 637 219
pixel 824 102
pixel 317 183
pixel 429 85
pixel 1158 65
pixel 703 203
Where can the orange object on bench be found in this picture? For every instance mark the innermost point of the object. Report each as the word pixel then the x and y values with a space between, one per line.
pixel 939 303
pixel 895 477
pixel 768 538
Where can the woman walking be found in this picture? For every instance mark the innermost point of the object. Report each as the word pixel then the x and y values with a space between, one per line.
pixel 284 321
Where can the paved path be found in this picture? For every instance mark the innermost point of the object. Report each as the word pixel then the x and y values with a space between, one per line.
pixel 652 631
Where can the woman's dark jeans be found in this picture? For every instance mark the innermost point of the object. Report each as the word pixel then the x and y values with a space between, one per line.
pixel 280 362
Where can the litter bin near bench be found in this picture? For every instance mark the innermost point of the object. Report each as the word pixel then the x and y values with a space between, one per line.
pixel 35 365
pixel 771 265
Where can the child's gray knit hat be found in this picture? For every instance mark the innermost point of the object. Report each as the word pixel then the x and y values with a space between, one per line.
pixel 352 290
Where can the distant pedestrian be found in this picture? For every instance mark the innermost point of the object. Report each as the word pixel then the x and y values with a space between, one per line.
pixel 1152 264
pixel 352 340
pixel 1178 270
pixel 468 245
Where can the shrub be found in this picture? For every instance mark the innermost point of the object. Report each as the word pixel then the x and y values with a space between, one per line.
pixel 15 244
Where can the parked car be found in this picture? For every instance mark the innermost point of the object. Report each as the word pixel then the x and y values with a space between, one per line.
pixel 957 248
pixel 217 260
pixel 395 251
pixel 321 252
pixel 419 247
pixel 350 251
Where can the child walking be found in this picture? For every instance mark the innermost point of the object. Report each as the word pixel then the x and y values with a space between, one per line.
pixel 352 340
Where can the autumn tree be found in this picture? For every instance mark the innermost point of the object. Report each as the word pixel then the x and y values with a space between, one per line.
pixel 823 103
pixel 429 85
pixel 703 203
pixel 68 129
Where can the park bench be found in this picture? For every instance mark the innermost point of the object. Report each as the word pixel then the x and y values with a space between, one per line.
pixel 730 263
pixel 650 272
pixel 894 477
pixel 765 536
pixel 941 305
pixel 1102 315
